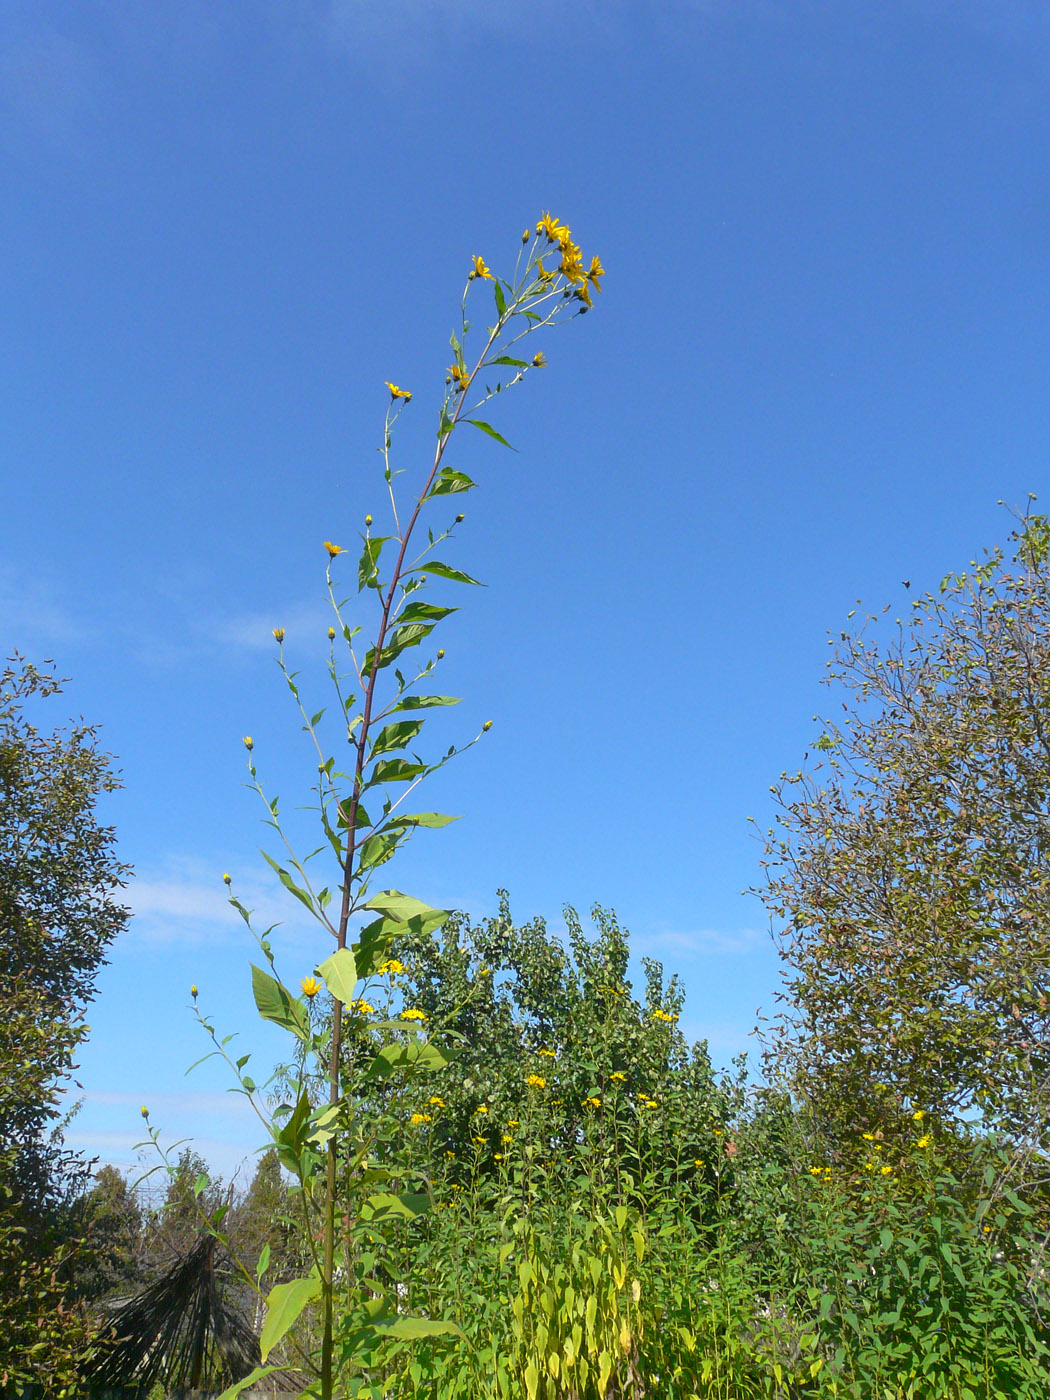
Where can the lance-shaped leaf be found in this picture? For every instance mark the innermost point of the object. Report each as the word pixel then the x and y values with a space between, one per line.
pixel 340 975
pixel 289 884
pixel 424 702
pixel 258 1374
pixel 416 1055
pixel 394 770
pixel 368 567
pixel 508 360
pixel 424 612
pixel 490 430
pixel 403 909
pixel 291 1138
pixel 275 1003
pixel 283 1306
pixel 440 570
pixel 420 819
pixel 410 1329
pixel 450 483
pixel 378 848
pixel 406 1206
pixel 395 736
pixel 410 635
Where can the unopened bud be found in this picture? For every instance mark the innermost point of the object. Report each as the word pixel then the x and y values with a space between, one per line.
pixel 193 993
pixel 331 634
pixel 460 519
pixel 486 726
pixel 278 634
pixel 144 1111
pixel 226 880
pixel 249 742
pixel 368 520
pixel 441 653
pixel 526 235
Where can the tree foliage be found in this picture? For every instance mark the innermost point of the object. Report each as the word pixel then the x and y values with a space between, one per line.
pixel 911 870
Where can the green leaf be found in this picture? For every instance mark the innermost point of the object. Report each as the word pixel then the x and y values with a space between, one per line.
pixel 264 1261
pixel 283 1305
pixel 432 819
pixel 440 570
pixel 407 1206
pixel 410 635
pixel 424 612
pixel 409 1329
pixel 488 428
pixel 395 770
pixel 368 566
pixel 340 975
pixel 403 908
pixel 291 1139
pixel 508 360
pixel 501 300
pixel 449 482
pixel 275 1003
pixel 378 848
pixel 395 736
pixel 424 702
pixel 287 881
pixel 231 1392
pixel 415 1055
pixel 445 425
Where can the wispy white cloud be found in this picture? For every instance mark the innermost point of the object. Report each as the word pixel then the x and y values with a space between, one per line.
pixel 704 941
pixel 185 901
pixel 35 614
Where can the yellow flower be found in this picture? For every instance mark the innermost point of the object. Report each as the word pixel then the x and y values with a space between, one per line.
pixel 513 1123
pixel 333 549
pixel 536 1081
pixel 571 265
pixel 435 1102
pixel 543 273
pixel 479 1140
pixel 480 270
pixel 459 375
pixel 596 271
pixel 481 1108
pixel 584 294
pixel 144 1111
pixel 413 1015
pixel 310 986
pixel 278 634
pixel 396 393
pixel 918 1116
pixel 924 1141
pixel 390 968
pixel 486 726
pixel 226 880
pixel 868 1137
pixel 506 1138
pixel 592 1102
pixel 699 1162
pixel 539 360
pixel 663 1016
pixel 549 225
pixel 418 1118
pixel 361 1007
pixel 551 1053
pixel 331 634
pixel 620 1078
pixel 886 1171
pixel 497 1156
pixel 248 742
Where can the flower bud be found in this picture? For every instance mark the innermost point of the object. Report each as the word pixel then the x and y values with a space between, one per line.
pixel 249 742
pixel 460 519
pixel 368 520
pixel 226 880
pixel 486 726
pixel 441 653
pixel 526 235
pixel 331 634
pixel 278 634
pixel 193 993
pixel 144 1111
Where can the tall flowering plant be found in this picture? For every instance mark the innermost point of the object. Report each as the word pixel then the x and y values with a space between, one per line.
pixel 343 1309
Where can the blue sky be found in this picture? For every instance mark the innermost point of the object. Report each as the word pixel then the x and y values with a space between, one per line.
pixel 819 361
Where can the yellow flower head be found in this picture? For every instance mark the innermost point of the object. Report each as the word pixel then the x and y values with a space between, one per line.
pixel 396 393
pixel 506 1138
pixel 551 1053
pixel 885 1171
pixel 549 226
pixel 418 1118
pixel 536 1081
pixel 481 1108
pixel 414 1014
pixel 918 1116
pixel 278 634
pixel 390 968
pixel 583 293
pixel 227 879
pixel 479 1140
pixel 595 271
pixel 663 1016
pixel 699 1162
pixel 924 1141
pixel 543 273
pixel 497 1156
pixel 144 1111
pixel 361 1007
pixel 539 360
pixel 480 270
pixel 571 265
pixel 333 549
pixel 592 1102
pixel 310 986
pixel 868 1137
pixel 248 742
pixel 619 1078
pixel 435 1102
